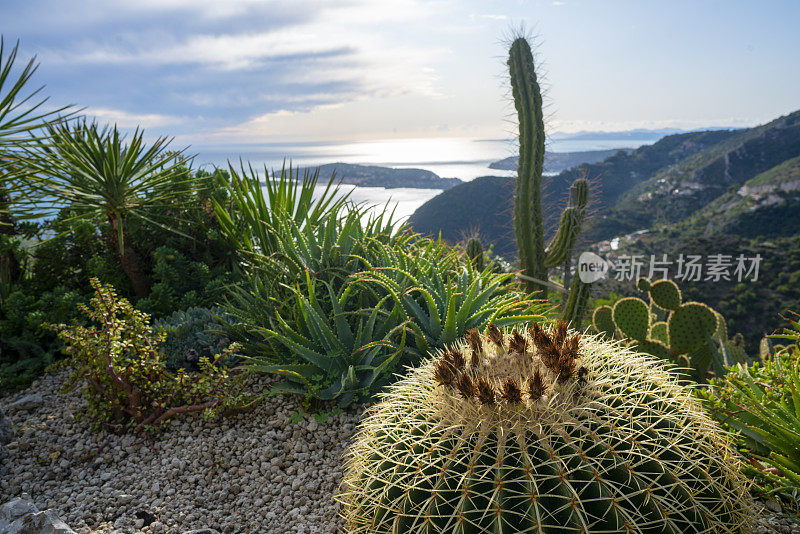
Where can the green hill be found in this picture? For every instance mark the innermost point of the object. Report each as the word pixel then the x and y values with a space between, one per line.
pixel 483 205
pixel 675 192
pixel 375 176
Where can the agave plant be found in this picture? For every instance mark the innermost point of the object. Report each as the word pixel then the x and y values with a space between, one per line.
pixel 342 352
pixel 104 177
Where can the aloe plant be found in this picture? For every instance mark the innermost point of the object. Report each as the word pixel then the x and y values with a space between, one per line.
pixel 342 352
pixel 441 299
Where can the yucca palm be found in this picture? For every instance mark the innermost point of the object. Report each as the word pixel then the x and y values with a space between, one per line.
pixel 263 205
pixel 22 116
pixel 103 176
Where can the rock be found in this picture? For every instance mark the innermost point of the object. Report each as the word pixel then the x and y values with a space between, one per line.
pixel 26 403
pixel 6 428
pixel 20 516
pixel 773 506
pixel 204 530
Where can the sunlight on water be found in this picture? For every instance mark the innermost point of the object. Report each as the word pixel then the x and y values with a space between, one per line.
pixel 461 158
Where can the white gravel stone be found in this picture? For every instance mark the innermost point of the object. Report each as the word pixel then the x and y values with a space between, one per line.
pixel 251 472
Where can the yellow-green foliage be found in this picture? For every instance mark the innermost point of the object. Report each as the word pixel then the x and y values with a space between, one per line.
pixel 118 363
pixel 541 431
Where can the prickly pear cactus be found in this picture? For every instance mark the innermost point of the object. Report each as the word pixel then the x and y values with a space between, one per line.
pixel 691 333
pixel 541 431
pixel 475 252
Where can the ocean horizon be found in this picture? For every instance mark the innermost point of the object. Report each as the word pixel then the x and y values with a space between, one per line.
pixel 461 158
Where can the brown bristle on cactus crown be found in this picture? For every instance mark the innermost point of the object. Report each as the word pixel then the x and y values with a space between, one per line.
pixel 456 359
pixel 566 367
pixel 495 335
pixel 465 387
pixel 476 346
pixel 444 373
pixel 510 391
pixel 518 343
pixel 485 392
pixel 536 386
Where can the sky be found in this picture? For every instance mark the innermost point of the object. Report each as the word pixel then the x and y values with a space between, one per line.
pixel 218 73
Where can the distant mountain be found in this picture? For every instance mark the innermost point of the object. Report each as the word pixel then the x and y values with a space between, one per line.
pixel 374 176
pixel 674 192
pixel 462 209
pixel 635 134
pixel 559 161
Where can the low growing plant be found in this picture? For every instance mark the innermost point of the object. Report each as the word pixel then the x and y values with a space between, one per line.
pixel 760 404
pixel 118 363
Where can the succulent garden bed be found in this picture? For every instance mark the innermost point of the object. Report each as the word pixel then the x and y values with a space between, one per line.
pixel 273 468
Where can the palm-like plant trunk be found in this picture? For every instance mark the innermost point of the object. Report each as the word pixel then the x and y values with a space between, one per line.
pixel 130 259
pixel 10 266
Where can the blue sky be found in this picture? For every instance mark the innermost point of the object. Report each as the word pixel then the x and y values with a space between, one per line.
pixel 248 71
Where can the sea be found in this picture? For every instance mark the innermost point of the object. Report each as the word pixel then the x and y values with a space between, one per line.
pixel 461 158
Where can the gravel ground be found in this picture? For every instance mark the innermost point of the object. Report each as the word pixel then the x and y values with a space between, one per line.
pixel 253 472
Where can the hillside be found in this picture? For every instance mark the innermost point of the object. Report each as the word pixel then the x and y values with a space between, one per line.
pixel 655 185
pixel 765 206
pixel 674 193
pixel 463 208
pixel 374 176
pixel 555 162
pixel 482 205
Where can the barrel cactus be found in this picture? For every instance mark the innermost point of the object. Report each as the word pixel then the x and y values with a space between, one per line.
pixel 541 431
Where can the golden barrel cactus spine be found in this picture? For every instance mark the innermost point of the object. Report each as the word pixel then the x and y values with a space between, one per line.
pixel 541 431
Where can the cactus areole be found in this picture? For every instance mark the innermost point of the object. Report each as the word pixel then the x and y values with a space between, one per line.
pixel 541 431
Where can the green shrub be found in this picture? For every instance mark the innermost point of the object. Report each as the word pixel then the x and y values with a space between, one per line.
pixel 760 404
pixel 118 363
pixel 27 346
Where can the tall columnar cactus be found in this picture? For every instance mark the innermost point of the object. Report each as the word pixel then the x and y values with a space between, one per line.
pixel 541 431
pixel 690 333
pixel 475 252
pixel 535 258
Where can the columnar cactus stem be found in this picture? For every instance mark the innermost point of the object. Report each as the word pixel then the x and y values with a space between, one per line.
pixel 535 259
pixel 528 220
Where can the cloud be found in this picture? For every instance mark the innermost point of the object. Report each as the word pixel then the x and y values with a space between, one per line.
pixel 344 48
pixel 124 119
